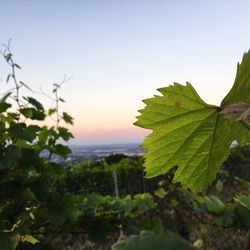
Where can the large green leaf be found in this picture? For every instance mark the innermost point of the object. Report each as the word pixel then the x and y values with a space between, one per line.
pixel 187 133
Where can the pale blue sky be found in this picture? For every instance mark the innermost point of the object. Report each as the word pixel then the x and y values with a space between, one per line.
pixel 120 52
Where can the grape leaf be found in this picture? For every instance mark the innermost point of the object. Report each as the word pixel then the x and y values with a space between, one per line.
pixel 187 133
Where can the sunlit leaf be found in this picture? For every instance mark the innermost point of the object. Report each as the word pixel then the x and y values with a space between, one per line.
pixel 30 239
pixel 190 134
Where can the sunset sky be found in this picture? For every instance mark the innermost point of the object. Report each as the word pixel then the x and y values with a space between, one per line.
pixel 120 52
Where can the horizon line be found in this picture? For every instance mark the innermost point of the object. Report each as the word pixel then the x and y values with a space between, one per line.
pixel 105 144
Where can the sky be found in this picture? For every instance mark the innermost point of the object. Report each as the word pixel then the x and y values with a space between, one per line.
pixel 120 52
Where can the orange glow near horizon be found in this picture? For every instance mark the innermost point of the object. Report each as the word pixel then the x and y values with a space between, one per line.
pixel 110 135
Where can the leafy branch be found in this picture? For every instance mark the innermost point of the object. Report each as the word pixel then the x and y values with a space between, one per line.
pixel 8 56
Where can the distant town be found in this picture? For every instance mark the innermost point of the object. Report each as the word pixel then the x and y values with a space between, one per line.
pixel 98 152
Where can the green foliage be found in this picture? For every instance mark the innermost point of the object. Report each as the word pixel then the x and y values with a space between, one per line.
pixel 233 213
pixel 243 201
pixel 191 134
pixel 26 178
pixel 238 163
pixel 214 204
pixel 243 209
pixel 150 241
pixel 37 195
pixel 40 198
pixel 98 177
